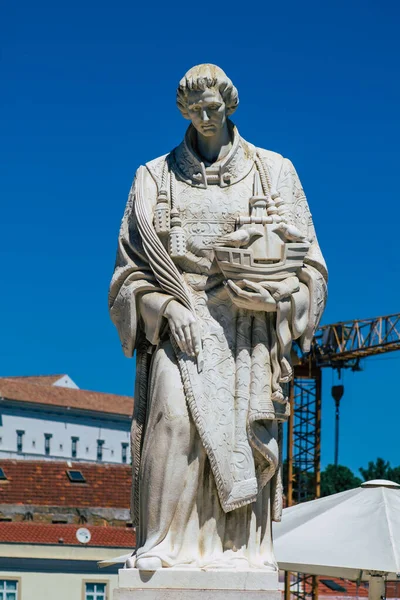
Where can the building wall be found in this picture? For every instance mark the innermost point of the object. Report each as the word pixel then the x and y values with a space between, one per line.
pixel 62 425
pixel 58 586
pixel 118 517
pixel 48 572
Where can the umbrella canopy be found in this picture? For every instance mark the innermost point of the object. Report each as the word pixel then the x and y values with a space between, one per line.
pixel 344 534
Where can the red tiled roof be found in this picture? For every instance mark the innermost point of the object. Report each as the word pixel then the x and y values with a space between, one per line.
pixel 20 389
pixel 45 483
pixel 351 589
pixel 39 533
pixel 393 589
pixel 37 379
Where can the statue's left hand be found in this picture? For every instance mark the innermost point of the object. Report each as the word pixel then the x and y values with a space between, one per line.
pixel 258 299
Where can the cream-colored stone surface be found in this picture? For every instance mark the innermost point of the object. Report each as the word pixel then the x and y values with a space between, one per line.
pixel 174 578
pixel 218 270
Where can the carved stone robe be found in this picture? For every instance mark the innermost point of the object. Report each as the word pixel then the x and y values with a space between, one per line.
pixel 206 445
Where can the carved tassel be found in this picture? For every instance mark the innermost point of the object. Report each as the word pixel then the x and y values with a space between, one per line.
pixel 177 236
pixel 162 214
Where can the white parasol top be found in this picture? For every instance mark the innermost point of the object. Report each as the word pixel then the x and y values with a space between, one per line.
pixel 344 535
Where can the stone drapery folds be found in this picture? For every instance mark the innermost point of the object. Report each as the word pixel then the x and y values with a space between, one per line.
pixel 235 404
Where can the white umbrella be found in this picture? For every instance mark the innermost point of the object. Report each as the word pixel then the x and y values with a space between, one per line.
pixel 354 534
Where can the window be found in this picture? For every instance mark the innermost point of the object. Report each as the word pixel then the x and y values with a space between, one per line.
pixel 20 435
pixel 333 585
pixel 74 447
pixel 94 591
pixel 124 451
pixel 47 438
pixel 59 521
pixel 3 476
pixel 76 476
pixel 9 589
pixel 100 449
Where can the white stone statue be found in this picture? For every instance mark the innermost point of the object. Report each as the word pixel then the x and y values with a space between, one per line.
pixel 218 270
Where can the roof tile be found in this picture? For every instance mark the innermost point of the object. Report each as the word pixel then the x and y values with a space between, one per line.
pixel 37 379
pixel 40 533
pixel 21 390
pixel 45 483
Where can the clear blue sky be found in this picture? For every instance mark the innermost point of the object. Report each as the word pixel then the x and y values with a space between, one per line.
pixel 88 94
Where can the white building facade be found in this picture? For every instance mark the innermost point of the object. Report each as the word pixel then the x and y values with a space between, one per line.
pixel 53 419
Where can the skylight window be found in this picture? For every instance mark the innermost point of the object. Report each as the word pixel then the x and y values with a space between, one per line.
pixel 332 585
pixel 3 476
pixel 76 476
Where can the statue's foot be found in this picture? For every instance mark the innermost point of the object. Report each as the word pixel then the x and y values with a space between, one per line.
pixel 152 563
pixel 131 562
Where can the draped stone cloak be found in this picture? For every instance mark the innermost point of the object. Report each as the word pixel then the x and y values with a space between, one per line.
pixel 240 394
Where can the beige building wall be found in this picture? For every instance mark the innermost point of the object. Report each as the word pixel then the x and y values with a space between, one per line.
pixel 57 586
pixel 50 551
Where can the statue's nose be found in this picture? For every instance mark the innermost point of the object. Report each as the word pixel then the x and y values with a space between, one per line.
pixel 204 115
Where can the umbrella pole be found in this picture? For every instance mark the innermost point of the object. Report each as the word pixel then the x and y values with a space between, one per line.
pixel 376 587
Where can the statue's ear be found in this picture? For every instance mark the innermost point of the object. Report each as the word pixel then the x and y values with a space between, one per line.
pixel 182 108
pixel 230 110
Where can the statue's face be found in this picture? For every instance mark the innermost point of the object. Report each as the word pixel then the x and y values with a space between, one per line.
pixel 207 111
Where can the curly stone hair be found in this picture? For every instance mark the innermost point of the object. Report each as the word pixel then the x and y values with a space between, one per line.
pixel 206 76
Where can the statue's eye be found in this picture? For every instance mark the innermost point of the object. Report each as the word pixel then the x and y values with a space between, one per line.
pixel 213 107
pixel 196 108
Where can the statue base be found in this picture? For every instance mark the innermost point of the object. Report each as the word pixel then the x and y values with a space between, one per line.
pixel 197 584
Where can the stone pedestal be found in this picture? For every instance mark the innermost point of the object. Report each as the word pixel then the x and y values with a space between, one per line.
pixel 196 584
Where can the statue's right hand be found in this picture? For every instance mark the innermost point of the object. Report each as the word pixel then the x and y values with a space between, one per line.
pixel 183 327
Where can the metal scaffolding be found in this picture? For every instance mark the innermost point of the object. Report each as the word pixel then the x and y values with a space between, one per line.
pixel 303 458
pixel 304 435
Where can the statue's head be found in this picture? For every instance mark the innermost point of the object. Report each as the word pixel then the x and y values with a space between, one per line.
pixel 206 96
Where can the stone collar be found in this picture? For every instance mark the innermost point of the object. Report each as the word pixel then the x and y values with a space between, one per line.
pixel 233 168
